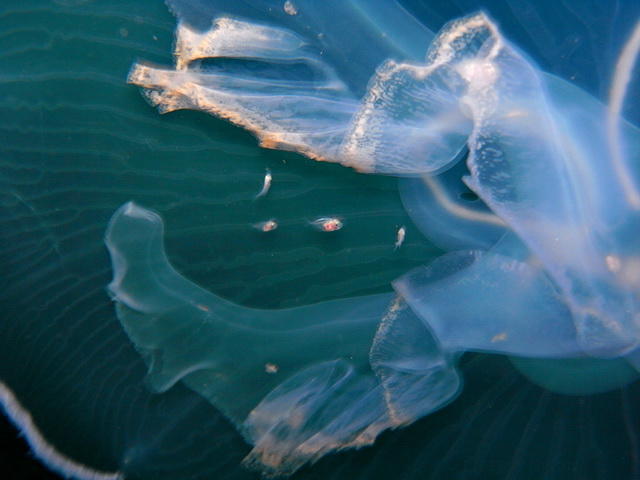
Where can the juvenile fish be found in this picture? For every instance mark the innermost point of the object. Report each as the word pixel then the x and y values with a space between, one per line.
pixel 327 224
pixel 266 226
pixel 266 185
pixel 400 234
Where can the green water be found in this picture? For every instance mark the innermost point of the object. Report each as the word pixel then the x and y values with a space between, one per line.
pixel 77 142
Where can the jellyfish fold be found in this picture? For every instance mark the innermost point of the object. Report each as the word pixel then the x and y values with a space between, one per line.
pixel 297 383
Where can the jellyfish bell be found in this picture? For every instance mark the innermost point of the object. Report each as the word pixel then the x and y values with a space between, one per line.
pixel 300 383
pixel 577 376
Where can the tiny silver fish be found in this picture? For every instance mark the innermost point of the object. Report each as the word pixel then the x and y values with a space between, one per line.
pixel 267 225
pixel 266 184
pixel 400 234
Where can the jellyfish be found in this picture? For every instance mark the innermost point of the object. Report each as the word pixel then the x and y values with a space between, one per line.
pixel 495 328
pixel 542 267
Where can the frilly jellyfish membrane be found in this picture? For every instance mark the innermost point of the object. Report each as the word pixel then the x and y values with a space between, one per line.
pixel 527 181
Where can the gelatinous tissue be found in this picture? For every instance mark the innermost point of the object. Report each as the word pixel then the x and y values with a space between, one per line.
pixel 542 264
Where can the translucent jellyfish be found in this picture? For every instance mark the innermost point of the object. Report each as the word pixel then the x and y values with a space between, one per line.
pixel 543 265
pixel 513 132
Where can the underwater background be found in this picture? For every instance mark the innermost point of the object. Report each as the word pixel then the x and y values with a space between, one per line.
pixel 76 142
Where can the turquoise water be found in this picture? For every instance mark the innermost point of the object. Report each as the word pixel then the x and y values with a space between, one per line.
pixel 77 142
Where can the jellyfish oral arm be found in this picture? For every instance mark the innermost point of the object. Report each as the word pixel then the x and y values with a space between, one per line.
pixel 308 381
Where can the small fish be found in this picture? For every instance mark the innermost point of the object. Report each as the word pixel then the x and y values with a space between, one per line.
pixel 266 184
pixel 290 8
pixel 271 368
pixel 400 237
pixel 327 224
pixel 267 225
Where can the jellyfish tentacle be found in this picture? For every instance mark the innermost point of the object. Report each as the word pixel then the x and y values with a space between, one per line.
pixel 619 89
